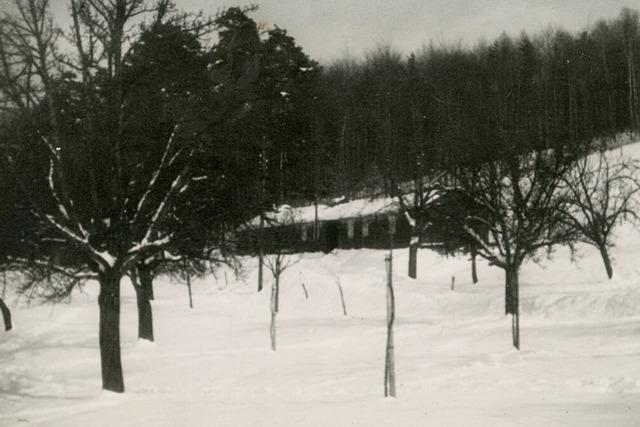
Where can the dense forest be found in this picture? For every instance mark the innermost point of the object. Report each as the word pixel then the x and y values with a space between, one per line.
pixel 386 114
pixel 354 124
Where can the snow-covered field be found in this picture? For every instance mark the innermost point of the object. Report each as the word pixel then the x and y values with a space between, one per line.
pixel 212 365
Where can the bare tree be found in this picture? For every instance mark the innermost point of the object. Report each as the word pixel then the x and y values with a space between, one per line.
pixel 517 200
pixel 416 200
pixel 119 223
pixel 600 195
pixel 277 263
pixel 278 260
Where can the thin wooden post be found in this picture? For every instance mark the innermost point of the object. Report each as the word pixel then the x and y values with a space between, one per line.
pixel 453 283
pixel 261 254
pixel 274 313
pixel 344 306
pixel 189 286
pixel 389 365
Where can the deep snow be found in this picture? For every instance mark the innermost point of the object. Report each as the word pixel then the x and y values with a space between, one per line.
pixel 212 365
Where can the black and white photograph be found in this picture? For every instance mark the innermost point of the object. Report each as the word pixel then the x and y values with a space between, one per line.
pixel 315 213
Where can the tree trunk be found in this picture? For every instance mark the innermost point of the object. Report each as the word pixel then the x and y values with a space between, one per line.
pixel 507 290
pixel 610 92
pixel 146 280
pixel 414 245
pixel 633 107
pixel 6 316
pixel 277 285
pixel 511 275
pixel 413 258
pixel 281 176
pixel 145 317
pixel 109 337
pixel 512 295
pixel 261 254
pixel 274 313
pixel 515 320
pixel 474 269
pixel 189 289
pixel 607 261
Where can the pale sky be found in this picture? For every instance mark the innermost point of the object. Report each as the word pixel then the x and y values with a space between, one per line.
pixel 329 29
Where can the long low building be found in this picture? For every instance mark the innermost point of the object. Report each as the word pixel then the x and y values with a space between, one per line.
pixel 362 223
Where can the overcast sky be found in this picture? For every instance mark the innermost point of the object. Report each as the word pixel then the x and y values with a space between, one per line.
pixel 328 29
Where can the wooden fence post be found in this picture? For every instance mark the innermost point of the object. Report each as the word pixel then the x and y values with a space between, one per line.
pixel 389 364
pixel 344 306
pixel 189 288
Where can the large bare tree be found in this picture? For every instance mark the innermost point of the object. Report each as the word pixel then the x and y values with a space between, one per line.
pixel 101 203
pixel 601 191
pixel 517 199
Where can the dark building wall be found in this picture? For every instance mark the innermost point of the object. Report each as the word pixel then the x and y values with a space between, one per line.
pixel 442 234
pixel 333 234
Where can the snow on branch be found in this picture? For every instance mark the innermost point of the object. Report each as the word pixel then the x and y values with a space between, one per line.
pixel 146 242
pixel 54 193
pixel 485 250
pixel 164 163
pixel 410 219
pixel 66 231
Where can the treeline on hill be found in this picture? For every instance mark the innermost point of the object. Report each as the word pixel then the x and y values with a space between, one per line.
pixel 131 144
pixel 444 105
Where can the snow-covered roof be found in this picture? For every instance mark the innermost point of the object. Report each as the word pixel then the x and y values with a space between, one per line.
pixel 286 214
